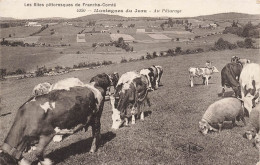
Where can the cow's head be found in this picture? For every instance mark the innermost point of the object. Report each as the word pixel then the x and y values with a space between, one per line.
pixel 234 59
pixel 101 81
pixel 214 69
pixel 120 103
pixel 114 77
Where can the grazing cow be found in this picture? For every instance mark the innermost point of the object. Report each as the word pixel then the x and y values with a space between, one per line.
pixel 59 112
pixel 250 85
pixel 149 74
pixel 234 59
pixel 160 72
pixel 155 72
pixel 227 109
pixel 230 78
pixel 205 73
pixel 131 95
pixel 41 89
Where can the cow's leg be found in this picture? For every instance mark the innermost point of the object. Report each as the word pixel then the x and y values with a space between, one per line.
pixel 96 125
pixel 191 81
pixel 126 121
pixel 234 123
pixel 148 101
pixel 220 127
pixel 44 140
pixel 133 115
pixel 223 91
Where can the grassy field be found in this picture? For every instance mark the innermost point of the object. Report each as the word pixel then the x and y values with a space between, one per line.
pixel 171 121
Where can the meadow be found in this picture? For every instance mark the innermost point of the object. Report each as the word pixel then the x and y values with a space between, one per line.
pixel 170 122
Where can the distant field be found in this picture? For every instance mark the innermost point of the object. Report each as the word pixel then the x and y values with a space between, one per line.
pixel 171 121
pixel 19 31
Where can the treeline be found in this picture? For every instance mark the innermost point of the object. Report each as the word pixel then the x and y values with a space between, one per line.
pixel 221 44
pixel 248 30
pixel 39 31
pixel 120 43
pixel 11 24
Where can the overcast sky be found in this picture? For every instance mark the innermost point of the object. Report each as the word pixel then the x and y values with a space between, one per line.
pixel 20 9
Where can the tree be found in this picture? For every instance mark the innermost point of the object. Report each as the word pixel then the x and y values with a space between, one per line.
pixel 249 43
pixel 178 50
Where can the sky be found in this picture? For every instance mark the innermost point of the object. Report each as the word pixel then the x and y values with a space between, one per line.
pixel 30 9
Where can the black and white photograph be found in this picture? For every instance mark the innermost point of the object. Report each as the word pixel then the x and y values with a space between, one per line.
pixel 120 82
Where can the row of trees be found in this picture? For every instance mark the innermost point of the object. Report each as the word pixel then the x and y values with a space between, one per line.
pixel 248 30
pixel 221 44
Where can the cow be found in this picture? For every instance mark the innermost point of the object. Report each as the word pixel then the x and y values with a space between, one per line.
pixel 230 78
pixel 130 95
pixel 149 74
pixel 160 72
pixel 250 85
pixel 205 73
pixel 155 72
pixel 41 88
pixel 60 112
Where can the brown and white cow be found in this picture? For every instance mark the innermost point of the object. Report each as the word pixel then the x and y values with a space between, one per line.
pixel 149 74
pixel 250 85
pixel 59 112
pixel 205 73
pixel 230 78
pixel 130 96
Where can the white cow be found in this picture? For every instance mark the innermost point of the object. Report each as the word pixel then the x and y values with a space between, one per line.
pixel 250 85
pixel 205 73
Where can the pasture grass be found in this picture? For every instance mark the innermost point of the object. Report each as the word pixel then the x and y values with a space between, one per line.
pixel 171 121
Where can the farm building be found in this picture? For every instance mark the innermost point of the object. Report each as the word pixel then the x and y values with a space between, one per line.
pixel 81 38
pixel 105 31
pixel 32 24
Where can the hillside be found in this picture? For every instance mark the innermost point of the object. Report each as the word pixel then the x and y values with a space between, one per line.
pixel 97 17
pixel 232 15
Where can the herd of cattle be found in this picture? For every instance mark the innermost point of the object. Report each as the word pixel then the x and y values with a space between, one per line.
pixel 244 78
pixel 69 105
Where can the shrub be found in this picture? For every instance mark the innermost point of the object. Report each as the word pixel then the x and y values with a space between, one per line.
pixel 248 43
pixel 222 44
pixel 148 56
pixel 94 45
pixel 142 58
pixel 178 50
pixel 155 55
pixel 200 50
pixel 170 52
pixel 123 60
pixel 78 52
